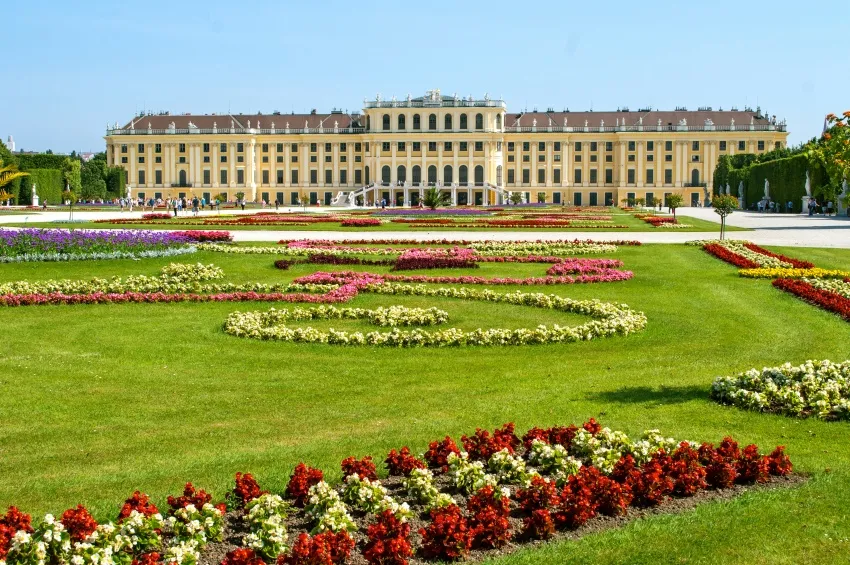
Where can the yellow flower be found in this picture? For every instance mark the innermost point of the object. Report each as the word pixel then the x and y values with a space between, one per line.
pixel 790 273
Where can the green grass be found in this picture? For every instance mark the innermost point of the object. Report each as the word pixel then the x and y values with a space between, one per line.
pixel 97 401
pixel 619 218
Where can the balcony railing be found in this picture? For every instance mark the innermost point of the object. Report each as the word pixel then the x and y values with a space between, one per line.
pixel 181 185
pixel 695 185
pixel 451 103
pixel 646 128
pixel 240 131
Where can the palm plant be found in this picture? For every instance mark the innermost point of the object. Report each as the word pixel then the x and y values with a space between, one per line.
pixel 433 197
pixel 8 174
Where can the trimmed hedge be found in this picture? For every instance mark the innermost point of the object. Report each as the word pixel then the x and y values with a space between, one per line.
pixel 40 161
pixel 49 184
pixel 116 185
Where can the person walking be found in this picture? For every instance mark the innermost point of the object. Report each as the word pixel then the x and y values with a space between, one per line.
pixel 195 204
pixel 242 203
pixel 829 208
pixel 203 203
pixel 276 204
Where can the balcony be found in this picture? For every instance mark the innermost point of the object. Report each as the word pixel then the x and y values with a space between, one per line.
pixel 181 185
pixel 695 185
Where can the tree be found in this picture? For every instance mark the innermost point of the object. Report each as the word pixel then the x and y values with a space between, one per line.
pixel 73 184
pixel 724 204
pixel 541 198
pixel 674 201
pixel 9 173
pixel 93 179
pixel 640 202
pixel 433 198
pixel 516 197
pixel 833 151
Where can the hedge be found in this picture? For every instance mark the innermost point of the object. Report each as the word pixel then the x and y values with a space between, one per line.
pixel 49 184
pixel 28 161
pixel 116 186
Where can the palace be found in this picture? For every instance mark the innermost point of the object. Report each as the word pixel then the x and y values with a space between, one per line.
pixel 473 149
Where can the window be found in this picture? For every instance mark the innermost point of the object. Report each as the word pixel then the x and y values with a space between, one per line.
pixel 668 158
pixel 511 176
pixel 650 146
pixel 265 148
pixel 695 145
pixel 329 176
pixel 557 157
pixel 650 157
pixel 526 146
pixel 343 147
pixel 631 146
pixel 761 145
pixel 668 146
pixel 526 176
pixel 280 177
pixel 526 158
pixel 609 146
pixel 447 146
pixel 385 122
pixel 313 148
pixel 577 158
pixel 401 122
pixel 206 147
pixel 343 159
pixel 464 146
pixel 593 158
pixel 314 176
pixel 668 176
pixel 777 145
pixel 157 177
pixel 293 176
pixel 265 177
pixel 479 121
pixel 279 158
pixel 479 146
pixel 222 147
pixel 223 159
pixel 463 124
pixel 609 176
pixel 417 146
pixel 593 176
pixel 541 158
pixel 742 146
pixel 695 158
pixel 511 158
pixel 181 147
pixel 124 160
pixel 578 146
pixel 631 158
pixel 609 158
pixel 313 159
pixel 123 149
pixel 556 176
pixel 650 176
pixel 240 176
pixel 541 146
pixel 557 146
pixel 265 158
pixel 416 122
pixel 556 198
pixel 294 148
pixel 223 177
pixel 157 148
pixel 358 159
pixel 541 176
pixel 279 148
pixel 328 158
pixel 294 158
pixel 432 146
pixel 343 177
pixel 157 159
pixel 141 148
pixel 142 176
pixel 630 176
pixel 447 122
pixel 141 159
pixel 240 147
pixel 432 122
pixel 510 146
pixel 401 147
pixel 593 146
pixel 358 177
pixel 385 146
pixel 577 176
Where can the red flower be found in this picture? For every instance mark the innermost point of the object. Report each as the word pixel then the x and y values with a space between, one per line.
pixel 402 462
pixel 649 485
pixel 438 452
pixel 779 463
pixel 725 255
pixel 302 478
pixel 365 468
pixel 13 521
pixel 448 536
pixel 78 523
pixel 190 496
pixel 481 445
pixel 389 541
pixel 245 490
pixel 539 525
pixel 592 426
pixel 242 556
pixel 752 467
pixel 328 548
pixel 139 502
pixel 825 299
pixel 151 558
pixel 541 493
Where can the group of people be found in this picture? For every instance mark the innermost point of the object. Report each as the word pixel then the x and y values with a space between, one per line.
pixel 818 207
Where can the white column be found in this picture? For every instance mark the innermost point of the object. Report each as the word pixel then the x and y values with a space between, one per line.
pixel 486 162
pixel 272 165
pixel 640 164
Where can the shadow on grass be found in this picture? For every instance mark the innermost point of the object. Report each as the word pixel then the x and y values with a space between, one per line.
pixel 651 395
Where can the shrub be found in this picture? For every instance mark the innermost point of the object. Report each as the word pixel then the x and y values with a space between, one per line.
pixel 728 448
pixel 78 523
pixel 720 472
pixel 575 504
pixel 611 497
pixel 438 453
pixel 328 548
pixel 245 490
pixel 752 467
pixel 402 462
pixel 389 541
pixel 190 496
pixel 779 463
pixel 489 509
pixel 365 468
pixel 139 502
pixel 242 556
pixel 448 536
pixel 300 481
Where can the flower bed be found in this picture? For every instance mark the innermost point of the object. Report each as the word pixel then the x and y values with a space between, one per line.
pixel 205 236
pixel 791 273
pixel 360 222
pixel 816 388
pixel 68 242
pixel 503 490
pixel 435 258
pixel 156 216
pixel 748 255
pixel 826 299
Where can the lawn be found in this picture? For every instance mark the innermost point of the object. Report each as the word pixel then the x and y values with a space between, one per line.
pixel 98 401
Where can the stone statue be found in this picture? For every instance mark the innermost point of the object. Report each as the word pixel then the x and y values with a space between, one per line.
pixel 534 123
pixel 640 121
pixel 809 185
pixel 741 191
pixel 727 189
pixel 766 189
pixel 565 122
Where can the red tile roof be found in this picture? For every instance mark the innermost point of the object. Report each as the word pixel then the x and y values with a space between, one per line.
pixel 650 118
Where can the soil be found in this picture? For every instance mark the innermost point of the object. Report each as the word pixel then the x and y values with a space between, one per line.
pixel 234 528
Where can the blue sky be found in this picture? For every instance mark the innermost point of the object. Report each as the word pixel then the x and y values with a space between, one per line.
pixel 75 67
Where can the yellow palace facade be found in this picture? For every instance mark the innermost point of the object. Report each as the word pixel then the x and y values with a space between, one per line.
pixel 472 148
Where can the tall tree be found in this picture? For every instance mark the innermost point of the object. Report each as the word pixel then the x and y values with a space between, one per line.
pixel 675 201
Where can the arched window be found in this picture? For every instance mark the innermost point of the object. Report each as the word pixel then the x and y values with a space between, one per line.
pixel 479 121
pixel 385 122
pixel 447 174
pixel 695 177
pixel 463 124
pixel 498 122
pixel 463 175
pixel 417 123
pixel 417 174
pixel 401 174
pixel 401 124
pixel 182 178
pixel 141 177
pixel 499 175
pixel 385 173
pixel 432 174
pixel 479 176
pixel 448 122
pixel 432 122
